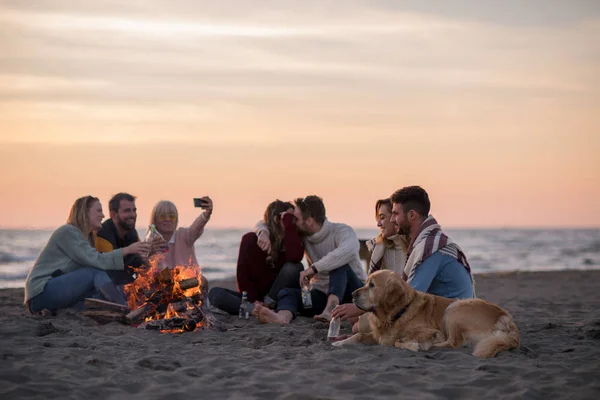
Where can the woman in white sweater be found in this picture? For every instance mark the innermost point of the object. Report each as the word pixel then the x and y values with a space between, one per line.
pixel 388 251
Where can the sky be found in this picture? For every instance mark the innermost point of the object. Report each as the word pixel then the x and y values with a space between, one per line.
pixel 492 107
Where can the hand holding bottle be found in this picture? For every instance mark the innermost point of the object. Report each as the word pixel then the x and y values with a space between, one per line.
pixel 139 248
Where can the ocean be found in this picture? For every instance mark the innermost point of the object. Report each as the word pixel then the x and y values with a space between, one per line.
pixel 488 250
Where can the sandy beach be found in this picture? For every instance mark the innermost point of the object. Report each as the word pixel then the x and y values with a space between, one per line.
pixel 70 356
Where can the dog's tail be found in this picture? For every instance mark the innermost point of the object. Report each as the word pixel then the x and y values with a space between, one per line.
pixel 504 336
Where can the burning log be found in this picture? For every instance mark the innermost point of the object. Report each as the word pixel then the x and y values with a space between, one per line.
pixel 140 313
pixel 179 306
pixel 175 323
pixel 186 284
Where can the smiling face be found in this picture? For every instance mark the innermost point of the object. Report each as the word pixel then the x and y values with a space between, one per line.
pixel 95 215
pixel 126 216
pixel 400 219
pixel 384 222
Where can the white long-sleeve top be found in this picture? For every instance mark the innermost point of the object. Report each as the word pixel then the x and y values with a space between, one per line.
pixel 334 246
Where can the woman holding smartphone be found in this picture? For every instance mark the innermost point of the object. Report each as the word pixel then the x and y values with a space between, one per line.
pixel 180 241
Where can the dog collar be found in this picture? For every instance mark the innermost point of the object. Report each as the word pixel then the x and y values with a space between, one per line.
pixel 397 316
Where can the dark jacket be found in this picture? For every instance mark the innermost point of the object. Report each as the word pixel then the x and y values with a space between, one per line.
pixel 107 239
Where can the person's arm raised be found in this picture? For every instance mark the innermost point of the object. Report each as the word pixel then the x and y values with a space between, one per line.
pixel 197 227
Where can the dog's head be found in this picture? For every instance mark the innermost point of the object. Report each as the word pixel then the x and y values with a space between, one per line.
pixel 384 294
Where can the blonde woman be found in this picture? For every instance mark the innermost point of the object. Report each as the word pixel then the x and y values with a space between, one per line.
pixel 388 251
pixel 69 268
pixel 180 241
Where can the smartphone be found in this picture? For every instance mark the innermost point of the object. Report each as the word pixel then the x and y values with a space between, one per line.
pixel 198 202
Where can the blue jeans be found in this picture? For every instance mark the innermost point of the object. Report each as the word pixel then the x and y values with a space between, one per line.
pixel 290 300
pixel 69 289
pixel 342 282
pixel 230 300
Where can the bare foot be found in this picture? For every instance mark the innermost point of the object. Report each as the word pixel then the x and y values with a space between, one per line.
pixel 325 316
pixel 256 309
pixel 267 316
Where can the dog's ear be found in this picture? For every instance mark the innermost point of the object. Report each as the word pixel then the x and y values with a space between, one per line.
pixel 393 294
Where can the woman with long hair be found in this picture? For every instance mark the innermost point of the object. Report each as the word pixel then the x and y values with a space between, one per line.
pixel 69 268
pixel 261 275
pixel 388 251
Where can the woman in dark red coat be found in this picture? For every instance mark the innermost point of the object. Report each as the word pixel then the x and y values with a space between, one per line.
pixel 262 275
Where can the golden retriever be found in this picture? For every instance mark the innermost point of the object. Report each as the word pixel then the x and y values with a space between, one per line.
pixel 403 317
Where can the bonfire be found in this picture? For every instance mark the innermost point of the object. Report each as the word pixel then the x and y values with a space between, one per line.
pixel 169 300
pixel 160 298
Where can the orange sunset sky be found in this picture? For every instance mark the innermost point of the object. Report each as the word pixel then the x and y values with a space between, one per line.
pixel 493 107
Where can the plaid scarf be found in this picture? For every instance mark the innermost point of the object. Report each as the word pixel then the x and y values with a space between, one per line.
pixel 429 240
pixel 378 246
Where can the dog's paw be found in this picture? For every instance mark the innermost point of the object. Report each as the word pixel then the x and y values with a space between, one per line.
pixel 338 344
pixel 412 346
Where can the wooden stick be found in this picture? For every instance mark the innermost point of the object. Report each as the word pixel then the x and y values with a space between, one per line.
pixel 140 313
pixel 104 317
pixel 103 305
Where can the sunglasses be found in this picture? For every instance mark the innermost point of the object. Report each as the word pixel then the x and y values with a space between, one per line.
pixel 306 206
pixel 164 217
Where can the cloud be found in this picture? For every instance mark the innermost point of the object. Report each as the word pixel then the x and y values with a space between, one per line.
pixel 268 65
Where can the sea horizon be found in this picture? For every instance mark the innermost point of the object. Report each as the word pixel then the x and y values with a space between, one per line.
pixel 488 249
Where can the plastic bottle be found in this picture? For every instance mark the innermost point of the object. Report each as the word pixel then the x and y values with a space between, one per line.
pixel 306 296
pixel 334 329
pixel 244 306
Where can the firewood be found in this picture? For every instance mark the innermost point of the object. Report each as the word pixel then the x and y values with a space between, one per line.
pixel 175 323
pixel 105 317
pixel 140 313
pixel 97 304
pixel 188 283
pixel 179 306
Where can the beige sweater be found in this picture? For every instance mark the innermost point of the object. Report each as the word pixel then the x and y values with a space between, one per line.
pixel 334 246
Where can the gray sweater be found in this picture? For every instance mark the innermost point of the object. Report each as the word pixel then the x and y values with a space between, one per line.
pixel 67 250
pixel 334 246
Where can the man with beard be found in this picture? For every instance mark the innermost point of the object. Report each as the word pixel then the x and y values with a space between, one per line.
pixel 435 264
pixel 335 269
pixel 119 232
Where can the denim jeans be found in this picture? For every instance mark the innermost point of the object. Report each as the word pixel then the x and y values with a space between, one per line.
pixel 230 300
pixel 342 282
pixel 69 289
pixel 291 300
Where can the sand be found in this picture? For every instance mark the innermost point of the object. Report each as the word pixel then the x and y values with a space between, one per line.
pixel 71 356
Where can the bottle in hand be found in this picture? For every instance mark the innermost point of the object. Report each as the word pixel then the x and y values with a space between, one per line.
pixel 244 313
pixel 306 296
pixel 153 235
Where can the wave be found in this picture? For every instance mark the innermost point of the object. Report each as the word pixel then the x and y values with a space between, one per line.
pixel 13 258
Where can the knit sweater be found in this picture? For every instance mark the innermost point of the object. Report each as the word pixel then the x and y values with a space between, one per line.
pixel 334 246
pixel 67 250
pixel 383 256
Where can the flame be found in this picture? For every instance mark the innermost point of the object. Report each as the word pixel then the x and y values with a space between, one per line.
pixel 161 286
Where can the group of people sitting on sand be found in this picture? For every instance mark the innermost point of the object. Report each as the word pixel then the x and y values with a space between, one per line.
pixel 87 258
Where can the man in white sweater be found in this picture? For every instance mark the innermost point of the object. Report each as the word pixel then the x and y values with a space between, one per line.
pixel 335 269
